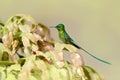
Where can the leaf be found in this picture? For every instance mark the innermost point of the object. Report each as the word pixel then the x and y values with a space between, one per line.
pixel 31 37
pixel 63 74
pixel 39 53
pixel 70 70
pixel 1 24
pixel 77 60
pixel 34 47
pixel 30 58
pixel 92 74
pixel 2 68
pixel 37 37
pixel 33 78
pixel 3 30
pixel 11 76
pixel 80 72
pixel 1 55
pixel 14 46
pixel 70 48
pixel 25 28
pixel 54 73
pixel 41 66
pixel 44 32
pixel 10 27
pixel 27 51
pixel 25 41
pixel 4 49
pixel 7 39
pixel 29 18
pixel 36 74
pixel 2 75
pixel 59 47
pixel 6 63
pixel 5 56
pixel 17 34
pixel 21 61
pixel 15 67
pixel 26 69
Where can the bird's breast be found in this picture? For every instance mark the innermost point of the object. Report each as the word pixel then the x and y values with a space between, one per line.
pixel 62 36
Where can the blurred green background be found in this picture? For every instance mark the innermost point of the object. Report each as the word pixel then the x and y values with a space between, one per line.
pixel 93 24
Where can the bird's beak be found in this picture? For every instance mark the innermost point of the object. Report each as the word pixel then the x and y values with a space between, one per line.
pixel 52 27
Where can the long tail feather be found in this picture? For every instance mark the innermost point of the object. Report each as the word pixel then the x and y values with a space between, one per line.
pixel 95 56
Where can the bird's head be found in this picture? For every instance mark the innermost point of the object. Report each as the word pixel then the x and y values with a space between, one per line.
pixel 59 27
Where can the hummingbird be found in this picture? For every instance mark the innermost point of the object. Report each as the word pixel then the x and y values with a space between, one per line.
pixel 65 38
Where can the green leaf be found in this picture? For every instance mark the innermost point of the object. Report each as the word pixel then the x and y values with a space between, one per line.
pixel 33 78
pixel 2 68
pixel 41 66
pixel 30 19
pixel 11 76
pixel 1 24
pixel 26 69
pixel 47 55
pixel 36 73
pixel 3 48
pixel 5 56
pixel 2 75
pixel 21 61
pixel 91 74
pixel 1 55
pixel 54 73
pixel 2 72
pixel 15 67
pixel 27 51
pixel 63 74
pixel 59 47
pixel 10 27
pixel 70 48
pixel 6 63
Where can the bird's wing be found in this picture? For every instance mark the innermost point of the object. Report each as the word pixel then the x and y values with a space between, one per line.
pixel 71 41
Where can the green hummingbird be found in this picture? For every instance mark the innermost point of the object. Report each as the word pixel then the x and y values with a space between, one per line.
pixel 63 35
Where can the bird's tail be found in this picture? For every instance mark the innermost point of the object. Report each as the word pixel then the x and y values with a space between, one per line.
pixel 95 56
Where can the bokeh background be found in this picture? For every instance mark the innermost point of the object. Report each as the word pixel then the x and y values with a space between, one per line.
pixel 93 24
